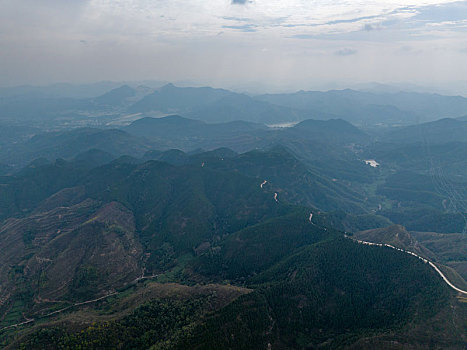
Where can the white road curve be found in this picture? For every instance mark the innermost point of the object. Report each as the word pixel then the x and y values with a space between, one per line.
pixel 421 258
pixel 446 280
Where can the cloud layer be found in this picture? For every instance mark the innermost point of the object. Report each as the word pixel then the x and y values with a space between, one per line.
pixel 295 43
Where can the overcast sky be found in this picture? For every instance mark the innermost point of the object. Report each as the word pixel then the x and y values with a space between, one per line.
pixel 287 43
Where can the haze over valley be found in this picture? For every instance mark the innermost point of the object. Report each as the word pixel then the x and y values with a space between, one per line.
pixel 233 175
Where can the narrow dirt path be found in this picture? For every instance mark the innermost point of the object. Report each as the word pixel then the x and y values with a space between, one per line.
pixel 75 304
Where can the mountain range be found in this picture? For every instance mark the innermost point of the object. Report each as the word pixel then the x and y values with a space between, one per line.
pixel 175 218
pixel 367 109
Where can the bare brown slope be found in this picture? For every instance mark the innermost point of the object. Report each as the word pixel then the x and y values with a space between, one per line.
pixel 66 254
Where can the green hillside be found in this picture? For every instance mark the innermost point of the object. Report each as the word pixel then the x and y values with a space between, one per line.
pixel 107 241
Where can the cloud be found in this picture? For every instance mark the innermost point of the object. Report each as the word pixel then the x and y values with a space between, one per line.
pixel 351 20
pixel 303 36
pixel 246 28
pixel 112 39
pixel 370 27
pixel 456 11
pixel 236 19
pixel 345 52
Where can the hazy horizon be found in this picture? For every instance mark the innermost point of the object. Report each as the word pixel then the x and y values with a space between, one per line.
pixel 241 44
pixel 104 86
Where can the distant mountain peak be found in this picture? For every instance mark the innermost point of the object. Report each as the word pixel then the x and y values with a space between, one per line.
pixel 173 119
pixel 116 96
pixel 168 86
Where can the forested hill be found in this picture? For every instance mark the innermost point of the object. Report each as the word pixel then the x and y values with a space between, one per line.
pixel 199 218
pixel 135 228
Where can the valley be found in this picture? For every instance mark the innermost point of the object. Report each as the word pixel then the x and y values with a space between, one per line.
pixel 188 231
pixel 233 174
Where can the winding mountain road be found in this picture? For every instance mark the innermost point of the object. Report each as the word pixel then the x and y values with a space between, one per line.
pixel 142 277
pixel 445 279
pixel 426 261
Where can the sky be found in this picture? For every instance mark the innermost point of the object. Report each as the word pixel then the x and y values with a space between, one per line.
pixel 249 44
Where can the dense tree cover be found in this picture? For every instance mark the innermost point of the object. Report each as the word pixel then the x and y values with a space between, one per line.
pixel 427 219
pixel 252 250
pixel 156 322
pixel 352 223
pixel 186 206
pixel 326 295
pixel 300 183
pixel 204 218
pixel 412 189
pixel 24 191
